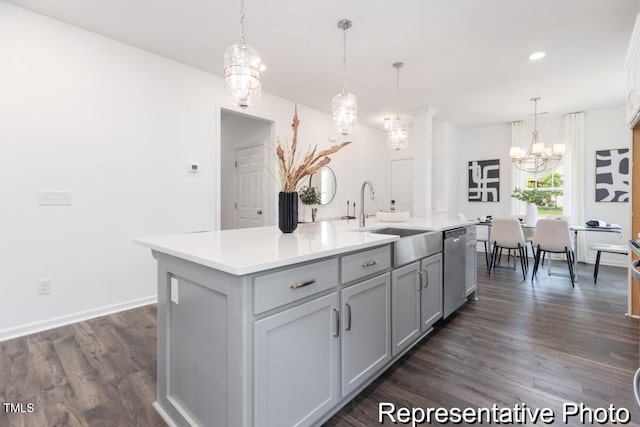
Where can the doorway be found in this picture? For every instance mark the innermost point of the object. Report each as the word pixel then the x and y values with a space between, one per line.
pixel 402 184
pixel 244 183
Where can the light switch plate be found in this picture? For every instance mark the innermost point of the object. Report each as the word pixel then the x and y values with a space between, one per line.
pixel 174 291
pixel 55 198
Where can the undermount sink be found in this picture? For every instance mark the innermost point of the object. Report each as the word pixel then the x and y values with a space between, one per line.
pixel 413 244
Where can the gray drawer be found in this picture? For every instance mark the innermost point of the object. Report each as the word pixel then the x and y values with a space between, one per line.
pixel 365 263
pixel 285 286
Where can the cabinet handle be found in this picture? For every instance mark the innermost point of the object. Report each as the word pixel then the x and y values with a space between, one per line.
pixel 426 273
pixel 420 280
pixel 370 263
pixel 337 313
pixel 303 284
pixel 348 328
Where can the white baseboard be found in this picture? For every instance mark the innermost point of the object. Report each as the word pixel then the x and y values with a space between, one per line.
pixel 43 325
pixel 165 417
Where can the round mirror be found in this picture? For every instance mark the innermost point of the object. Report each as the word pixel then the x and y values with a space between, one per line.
pixel 325 181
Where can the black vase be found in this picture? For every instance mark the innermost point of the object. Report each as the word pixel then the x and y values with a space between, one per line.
pixel 287 211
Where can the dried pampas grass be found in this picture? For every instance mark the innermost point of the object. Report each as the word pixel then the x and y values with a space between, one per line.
pixel 289 172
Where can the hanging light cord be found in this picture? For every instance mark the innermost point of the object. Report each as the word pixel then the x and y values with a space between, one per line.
pixel 397 91
pixel 242 22
pixel 535 114
pixel 344 60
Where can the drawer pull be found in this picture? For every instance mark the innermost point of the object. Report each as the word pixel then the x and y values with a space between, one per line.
pixel 337 332
pixel 370 263
pixel 426 274
pixel 303 284
pixel 348 328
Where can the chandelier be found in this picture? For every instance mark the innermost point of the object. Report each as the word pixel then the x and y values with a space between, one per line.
pixel 397 128
pixel 242 68
pixel 344 104
pixel 538 158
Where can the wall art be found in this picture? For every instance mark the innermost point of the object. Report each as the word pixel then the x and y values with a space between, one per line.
pixel 484 180
pixel 612 175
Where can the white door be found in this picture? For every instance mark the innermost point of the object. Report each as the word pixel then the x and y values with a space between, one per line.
pixel 402 184
pixel 249 187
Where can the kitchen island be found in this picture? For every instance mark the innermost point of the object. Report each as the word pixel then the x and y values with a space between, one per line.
pixel 260 328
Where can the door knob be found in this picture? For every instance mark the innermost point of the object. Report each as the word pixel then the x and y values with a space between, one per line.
pixel 259 211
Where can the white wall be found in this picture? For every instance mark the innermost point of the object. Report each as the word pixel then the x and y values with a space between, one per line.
pixel 604 129
pixel 446 179
pixel 118 127
pixel 484 143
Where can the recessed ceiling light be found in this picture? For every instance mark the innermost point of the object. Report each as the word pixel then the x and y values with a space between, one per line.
pixel 537 55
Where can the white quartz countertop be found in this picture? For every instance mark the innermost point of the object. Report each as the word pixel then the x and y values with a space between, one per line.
pixel 250 250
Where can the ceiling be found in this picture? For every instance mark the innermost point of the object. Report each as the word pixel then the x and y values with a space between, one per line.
pixel 467 59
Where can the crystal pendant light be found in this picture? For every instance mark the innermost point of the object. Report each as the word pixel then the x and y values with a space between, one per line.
pixel 345 104
pixel 398 136
pixel 242 68
pixel 538 159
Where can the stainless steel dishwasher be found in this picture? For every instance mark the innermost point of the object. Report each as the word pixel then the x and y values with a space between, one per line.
pixel 454 269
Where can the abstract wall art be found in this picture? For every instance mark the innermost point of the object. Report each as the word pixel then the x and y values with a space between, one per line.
pixel 612 175
pixel 484 180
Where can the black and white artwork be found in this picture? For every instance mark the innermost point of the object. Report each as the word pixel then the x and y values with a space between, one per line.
pixel 484 180
pixel 612 175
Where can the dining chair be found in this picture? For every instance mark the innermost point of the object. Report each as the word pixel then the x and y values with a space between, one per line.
pixel 553 236
pixel 528 238
pixel 506 233
pixel 558 216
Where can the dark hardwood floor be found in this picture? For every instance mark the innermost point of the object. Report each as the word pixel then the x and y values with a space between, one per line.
pixel 101 372
pixel 541 344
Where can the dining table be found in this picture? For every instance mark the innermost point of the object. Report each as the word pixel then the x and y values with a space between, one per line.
pixel 575 229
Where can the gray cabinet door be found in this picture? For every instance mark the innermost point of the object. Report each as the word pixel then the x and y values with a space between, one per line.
pixel 431 295
pixel 366 330
pixel 296 364
pixel 405 307
pixel 471 269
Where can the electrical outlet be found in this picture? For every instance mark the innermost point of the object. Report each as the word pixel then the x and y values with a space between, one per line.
pixel 44 287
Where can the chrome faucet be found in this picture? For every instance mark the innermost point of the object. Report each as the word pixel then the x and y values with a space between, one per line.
pixel 372 193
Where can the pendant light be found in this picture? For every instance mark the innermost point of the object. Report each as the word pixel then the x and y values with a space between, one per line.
pixel 398 136
pixel 345 104
pixel 538 158
pixel 242 68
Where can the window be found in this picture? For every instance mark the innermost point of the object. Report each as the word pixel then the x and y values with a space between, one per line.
pixel 550 191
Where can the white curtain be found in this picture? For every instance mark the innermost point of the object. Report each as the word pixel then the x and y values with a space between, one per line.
pixel 574 191
pixel 517 176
